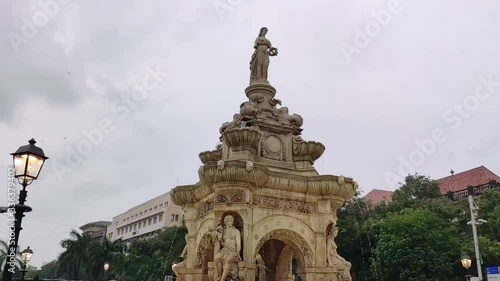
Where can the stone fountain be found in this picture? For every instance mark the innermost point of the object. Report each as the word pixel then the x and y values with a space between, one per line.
pixel 260 206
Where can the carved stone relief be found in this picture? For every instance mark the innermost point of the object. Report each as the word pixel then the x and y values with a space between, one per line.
pixel 273 148
pixel 288 204
pixel 204 209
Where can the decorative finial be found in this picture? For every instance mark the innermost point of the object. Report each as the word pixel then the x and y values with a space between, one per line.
pixel 259 64
pixel 452 172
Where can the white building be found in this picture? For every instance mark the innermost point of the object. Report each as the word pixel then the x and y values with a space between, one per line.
pixel 146 219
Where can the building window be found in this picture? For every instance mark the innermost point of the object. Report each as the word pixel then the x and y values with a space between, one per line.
pixel 160 217
pixel 154 219
pixel 172 217
pixel 150 209
pixel 156 207
pixel 135 226
pixel 140 213
pixel 161 204
pixel 144 224
pixel 149 221
pixel 166 203
pixel 176 217
pixel 140 224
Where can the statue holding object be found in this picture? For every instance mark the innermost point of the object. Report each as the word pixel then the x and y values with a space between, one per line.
pixel 226 260
pixel 259 63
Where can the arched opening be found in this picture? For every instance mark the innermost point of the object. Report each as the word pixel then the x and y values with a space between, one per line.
pixel 280 258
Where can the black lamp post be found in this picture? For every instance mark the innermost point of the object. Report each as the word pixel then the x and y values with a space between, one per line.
pixel 25 258
pixel 28 162
pixel 106 268
pixel 466 263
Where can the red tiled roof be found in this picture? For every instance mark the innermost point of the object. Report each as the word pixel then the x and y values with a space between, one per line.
pixel 378 195
pixel 477 176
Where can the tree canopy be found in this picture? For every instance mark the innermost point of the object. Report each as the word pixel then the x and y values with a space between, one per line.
pixel 420 235
pixel 84 257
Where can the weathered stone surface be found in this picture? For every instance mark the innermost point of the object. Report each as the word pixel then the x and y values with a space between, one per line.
pixel 262 176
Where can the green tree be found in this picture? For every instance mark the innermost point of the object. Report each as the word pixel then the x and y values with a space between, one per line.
pixel 416 188
pixel 100 251
pixel 75 256
pixel 416 245
pixel 49 270
pixel 151 258
pixel 31 271
pixel 356 240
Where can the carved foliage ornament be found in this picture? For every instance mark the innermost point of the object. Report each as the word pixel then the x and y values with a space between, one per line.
pixel 238 198
pixel 204 209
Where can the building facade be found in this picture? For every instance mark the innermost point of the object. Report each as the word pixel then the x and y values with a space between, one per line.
pixel 146 219
pixel 97 229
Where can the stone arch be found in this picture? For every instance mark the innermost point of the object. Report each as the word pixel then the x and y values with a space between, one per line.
pixel 301 248
pixel 271 223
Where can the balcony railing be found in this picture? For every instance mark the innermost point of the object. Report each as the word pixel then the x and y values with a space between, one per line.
pixel 474 190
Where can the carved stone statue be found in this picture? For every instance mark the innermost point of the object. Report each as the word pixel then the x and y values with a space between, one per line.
pixel 285 118
pixel 259 63
pixel 230 125
pixel 226 260
pixel 176 267
pixel 334 259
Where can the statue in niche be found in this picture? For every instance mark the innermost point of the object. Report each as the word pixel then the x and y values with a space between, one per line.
pixel 259 64
pixel 226 260
pixel 335 260
pixel 181 265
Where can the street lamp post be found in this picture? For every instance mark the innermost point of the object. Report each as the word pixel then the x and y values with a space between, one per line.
pixel 106 268
pixel 474 222
pixel 466 263
pixel 28 162
pixel 25 258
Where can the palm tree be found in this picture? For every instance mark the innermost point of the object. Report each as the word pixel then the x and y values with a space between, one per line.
pixel 100 252
pixel 3 252
pixel 75 257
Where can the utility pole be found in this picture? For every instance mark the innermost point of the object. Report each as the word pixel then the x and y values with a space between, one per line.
pixel 475 223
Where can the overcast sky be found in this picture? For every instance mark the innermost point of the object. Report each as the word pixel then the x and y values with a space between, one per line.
pixel 71 76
